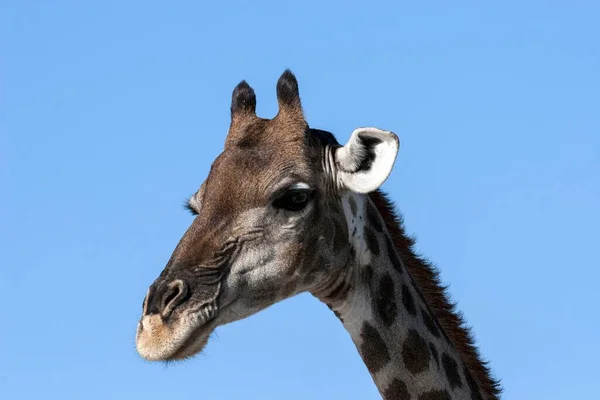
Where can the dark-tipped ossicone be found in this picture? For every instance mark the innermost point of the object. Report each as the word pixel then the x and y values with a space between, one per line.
pixel 243 100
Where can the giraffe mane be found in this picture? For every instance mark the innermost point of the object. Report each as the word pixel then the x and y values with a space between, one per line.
pixel 426 277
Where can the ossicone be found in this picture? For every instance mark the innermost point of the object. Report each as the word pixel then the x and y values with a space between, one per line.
pixel 288 95
pixel 243 100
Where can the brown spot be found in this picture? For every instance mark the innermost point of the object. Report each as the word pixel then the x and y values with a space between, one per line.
pixel 373 217
pixel 446 337
pixel 434 353
pixel 414 285
pixel 427 277
pixel 384 301
pixel 371 240
pixel 396 391
pixel 429 323
pixel 451 369
pixel 408 301
pixel 415 353
pixel 392 254
pixel 435 395
pixel 373 349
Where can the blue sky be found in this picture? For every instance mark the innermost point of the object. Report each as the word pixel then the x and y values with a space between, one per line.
pixel 112 112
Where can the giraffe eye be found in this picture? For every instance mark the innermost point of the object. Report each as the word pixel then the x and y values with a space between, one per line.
pixel 293 200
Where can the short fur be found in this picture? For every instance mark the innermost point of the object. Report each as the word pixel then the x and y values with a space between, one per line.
pixel 194 294
pixel 427 279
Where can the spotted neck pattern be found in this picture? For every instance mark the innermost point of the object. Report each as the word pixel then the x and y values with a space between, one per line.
pixel 404 347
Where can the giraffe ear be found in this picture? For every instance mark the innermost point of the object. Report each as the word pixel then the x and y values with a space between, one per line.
pixel 366 161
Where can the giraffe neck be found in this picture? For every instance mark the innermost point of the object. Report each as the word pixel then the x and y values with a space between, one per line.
pixel 402 345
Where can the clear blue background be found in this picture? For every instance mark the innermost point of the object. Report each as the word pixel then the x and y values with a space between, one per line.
pixel 111 113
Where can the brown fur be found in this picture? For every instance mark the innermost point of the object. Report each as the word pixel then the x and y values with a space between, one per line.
pixel 427 279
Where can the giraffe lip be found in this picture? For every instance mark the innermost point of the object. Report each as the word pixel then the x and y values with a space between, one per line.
pixel 194 343
pixel 196 338
pixel 160 339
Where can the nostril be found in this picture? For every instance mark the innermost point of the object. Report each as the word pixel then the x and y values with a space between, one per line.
pixel 170 296
pixel 175 295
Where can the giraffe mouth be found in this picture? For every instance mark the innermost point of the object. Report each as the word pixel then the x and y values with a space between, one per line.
pixel 160 340
pixel 195 342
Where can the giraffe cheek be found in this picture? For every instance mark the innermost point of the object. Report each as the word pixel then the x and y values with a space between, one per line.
pixel 291 259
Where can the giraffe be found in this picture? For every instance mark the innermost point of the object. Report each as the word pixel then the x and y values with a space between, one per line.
pixel 286 209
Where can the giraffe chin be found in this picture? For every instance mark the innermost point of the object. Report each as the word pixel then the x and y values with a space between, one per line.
pixel 160 341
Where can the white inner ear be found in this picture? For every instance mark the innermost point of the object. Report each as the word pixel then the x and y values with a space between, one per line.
pixel 366 161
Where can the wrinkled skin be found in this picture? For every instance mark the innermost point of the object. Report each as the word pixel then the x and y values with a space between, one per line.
pixel 269 224
pixel 242 253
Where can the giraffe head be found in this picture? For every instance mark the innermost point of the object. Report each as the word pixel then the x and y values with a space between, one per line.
pixel 269 222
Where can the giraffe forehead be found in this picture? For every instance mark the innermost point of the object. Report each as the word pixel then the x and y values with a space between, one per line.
pixel 250 175
pixel 263 132
pixel 261 153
